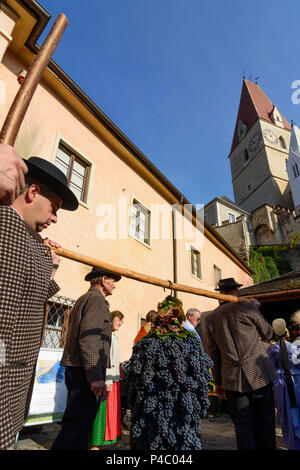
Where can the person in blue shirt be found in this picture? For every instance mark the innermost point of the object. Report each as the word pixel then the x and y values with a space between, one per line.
pixel 286 359
pixel 192 320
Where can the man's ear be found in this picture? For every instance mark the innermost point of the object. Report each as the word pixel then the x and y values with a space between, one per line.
pixel 32 192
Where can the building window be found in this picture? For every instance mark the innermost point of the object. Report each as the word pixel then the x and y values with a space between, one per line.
pixel 140 222
pixel 296 170
pixel 196 262
pixel 246 154
pixel 249 226
pixel 231 217
pixel 282 142
pixel 75 169
pixel 142 321
pixel 217 275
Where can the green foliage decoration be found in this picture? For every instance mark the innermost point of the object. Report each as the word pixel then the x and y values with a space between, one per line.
pixel 169 320
pixel 267 262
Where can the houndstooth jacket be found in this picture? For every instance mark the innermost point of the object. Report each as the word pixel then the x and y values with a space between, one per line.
pixel 25 286
pixel 233 340
pixel 89 335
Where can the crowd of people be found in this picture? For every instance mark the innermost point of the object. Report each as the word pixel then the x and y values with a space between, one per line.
pixel 255 366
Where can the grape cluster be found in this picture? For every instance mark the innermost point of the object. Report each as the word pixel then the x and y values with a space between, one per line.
pixel 168 393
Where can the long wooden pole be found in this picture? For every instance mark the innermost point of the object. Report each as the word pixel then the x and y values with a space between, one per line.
pixel 10 131
pixel 25 93
pixel 145 278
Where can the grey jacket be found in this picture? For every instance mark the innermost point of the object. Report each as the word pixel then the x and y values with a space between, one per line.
pixel 89 335
pixel 233 341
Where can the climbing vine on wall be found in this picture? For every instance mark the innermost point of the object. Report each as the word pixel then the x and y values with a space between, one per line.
pixel 267 262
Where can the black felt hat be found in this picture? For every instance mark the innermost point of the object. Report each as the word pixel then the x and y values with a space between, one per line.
pixel 228 283
pixel 97 272
pixel 47 173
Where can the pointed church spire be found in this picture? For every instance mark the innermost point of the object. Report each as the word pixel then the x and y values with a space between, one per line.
pixel 254 104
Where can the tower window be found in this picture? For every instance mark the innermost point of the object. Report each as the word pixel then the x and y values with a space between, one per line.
pixel 296 170
pixel 246 155
pixel 282 142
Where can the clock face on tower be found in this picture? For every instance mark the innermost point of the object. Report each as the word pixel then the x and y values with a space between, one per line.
pixel 255 142
pixel 270 137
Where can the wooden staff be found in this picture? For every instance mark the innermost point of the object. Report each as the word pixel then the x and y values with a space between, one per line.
pixel 143 277
pixel 10 131
pixel 22 99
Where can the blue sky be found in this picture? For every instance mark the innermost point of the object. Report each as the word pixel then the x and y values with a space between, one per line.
pixel 169 74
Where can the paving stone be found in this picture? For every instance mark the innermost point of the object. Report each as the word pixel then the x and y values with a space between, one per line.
pixel 216 434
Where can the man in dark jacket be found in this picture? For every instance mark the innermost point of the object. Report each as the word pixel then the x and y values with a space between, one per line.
pixel 242 369
pixel 86 357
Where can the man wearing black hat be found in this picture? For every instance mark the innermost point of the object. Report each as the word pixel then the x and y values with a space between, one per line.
pixel 86 357
pixel 242 369
pixel 27 268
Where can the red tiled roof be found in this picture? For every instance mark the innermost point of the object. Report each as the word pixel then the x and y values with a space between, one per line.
pixel 254 104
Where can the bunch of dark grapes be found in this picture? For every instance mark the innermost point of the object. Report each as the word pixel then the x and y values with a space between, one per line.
pixel 168 393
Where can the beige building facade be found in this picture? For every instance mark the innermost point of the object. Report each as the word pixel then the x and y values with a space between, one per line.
pixel 232 223
pixel 126 212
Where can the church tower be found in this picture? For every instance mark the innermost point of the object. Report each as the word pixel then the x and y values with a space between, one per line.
pixel 293 167
pixel 259 151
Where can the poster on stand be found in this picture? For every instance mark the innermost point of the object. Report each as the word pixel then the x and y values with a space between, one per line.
pixel 49 393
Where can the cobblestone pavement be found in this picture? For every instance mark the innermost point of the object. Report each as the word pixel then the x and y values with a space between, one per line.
pixel 217 434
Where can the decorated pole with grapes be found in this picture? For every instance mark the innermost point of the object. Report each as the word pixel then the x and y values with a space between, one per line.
pixel 125 272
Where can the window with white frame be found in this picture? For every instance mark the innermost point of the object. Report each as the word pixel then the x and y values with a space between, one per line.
pixel 140 222
pixel 217 275
pixel 76 169
pixel 231 217
pixel 196 262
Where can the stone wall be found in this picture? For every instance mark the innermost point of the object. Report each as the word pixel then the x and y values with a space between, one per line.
pixel 292 255
pixel 237 236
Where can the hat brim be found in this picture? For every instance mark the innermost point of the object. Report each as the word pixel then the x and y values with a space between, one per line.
pixel 69 200
pixel 229 287
pixel 95 273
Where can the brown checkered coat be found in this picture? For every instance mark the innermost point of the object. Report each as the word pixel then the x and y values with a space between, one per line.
pixel 25 286
pixel 89 335
pixel 233 341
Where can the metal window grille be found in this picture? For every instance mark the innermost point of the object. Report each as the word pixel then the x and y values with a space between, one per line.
pixel 57 313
